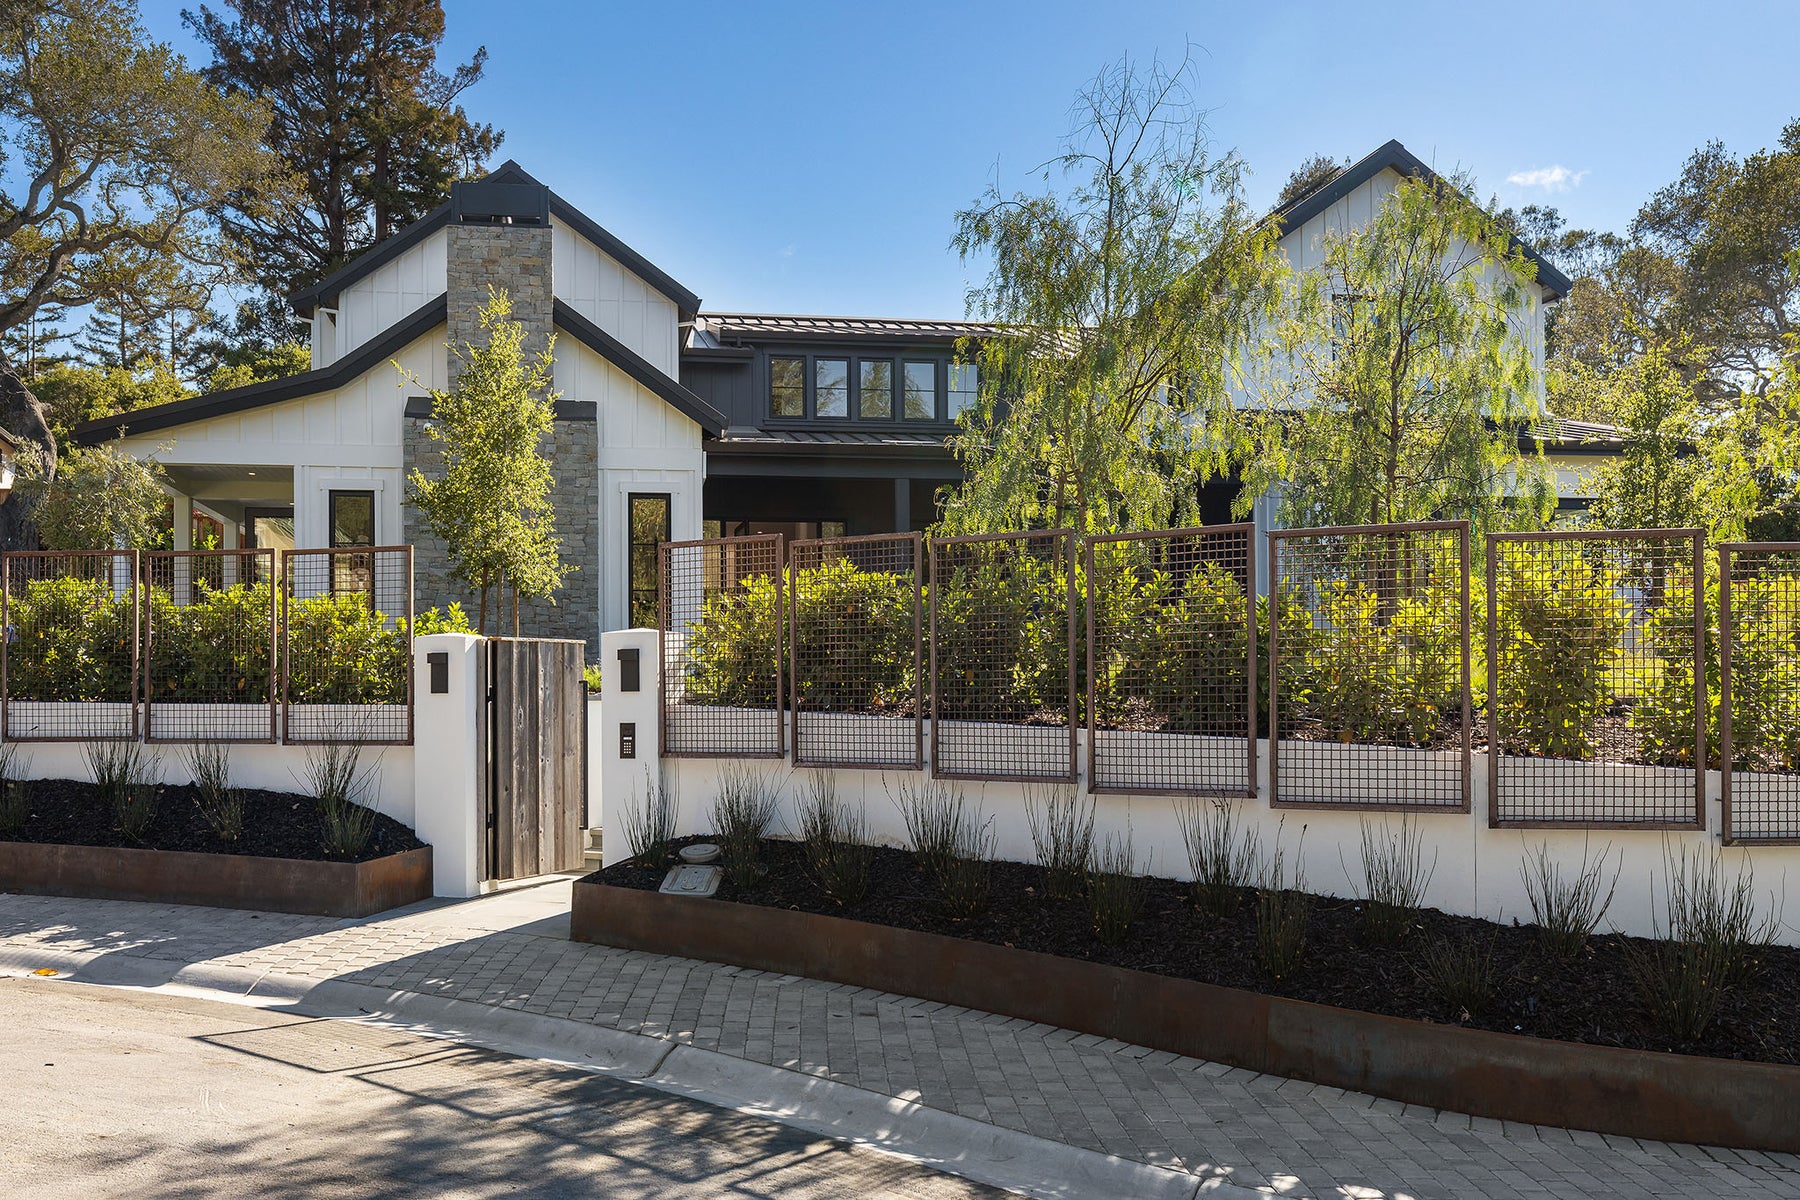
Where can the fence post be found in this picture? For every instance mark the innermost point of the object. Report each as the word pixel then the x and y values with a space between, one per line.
pixel 629 711
pixel 447 768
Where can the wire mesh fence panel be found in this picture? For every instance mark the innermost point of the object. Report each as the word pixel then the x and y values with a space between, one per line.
pixel 1368 675
pixel 1759 691
pixel 720 617
pixel 1595 651
pixel 855 650
pixel 70 656
pixel 1171 661
pixel 210 645
pixel 1003 656
pixel 347 616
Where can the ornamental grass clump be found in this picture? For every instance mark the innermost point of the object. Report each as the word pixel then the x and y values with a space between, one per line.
pixel 1283 912
pixel 129 779
pixel 15 798
pixel 1062 834
pixel 1115 889
pixel 1459 974
pixel 963 876
pixel 743 814
pixel 1712 942
pixel 1222 855
pixel 221 805
pixel 1395 876
pixel 835 840
pixel 334 776
pixel 1566 909
pixel 648 820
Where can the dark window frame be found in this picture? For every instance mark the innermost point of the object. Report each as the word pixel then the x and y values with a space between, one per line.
pixel 949 389
pixel 850 362
pixel 893 391
pixel 938 394
pixel 631 547
pixel 332 496
pixel 805 362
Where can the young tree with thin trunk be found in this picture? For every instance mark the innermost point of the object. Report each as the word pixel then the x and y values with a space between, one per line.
pixel 491 503
pixel 1120 303
pixel 1400 374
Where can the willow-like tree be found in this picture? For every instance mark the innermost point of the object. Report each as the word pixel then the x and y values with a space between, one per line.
pixel 491 504
pixel 1120 301
pixel 1399 374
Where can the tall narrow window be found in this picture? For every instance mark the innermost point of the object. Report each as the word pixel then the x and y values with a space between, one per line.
pixel 964 388
pixel 787 387
pixel 831 387
pixel 649 530
pixel 352 518
pixel 875 390
pixel 921 391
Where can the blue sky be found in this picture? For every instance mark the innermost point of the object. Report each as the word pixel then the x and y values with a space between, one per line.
pixel 810 157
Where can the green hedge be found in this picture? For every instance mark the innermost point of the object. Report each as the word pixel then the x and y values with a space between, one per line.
pixel 69 639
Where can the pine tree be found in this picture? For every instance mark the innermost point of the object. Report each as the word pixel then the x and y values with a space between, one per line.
pixel 362 116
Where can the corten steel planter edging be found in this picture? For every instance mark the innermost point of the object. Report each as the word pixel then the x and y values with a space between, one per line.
pixel 284 885
pixel 1667 1097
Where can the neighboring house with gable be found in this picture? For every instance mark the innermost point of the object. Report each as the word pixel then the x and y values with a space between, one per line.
pixel 673 423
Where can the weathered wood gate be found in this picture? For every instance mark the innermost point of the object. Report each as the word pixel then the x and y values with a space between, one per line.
pixel 535 790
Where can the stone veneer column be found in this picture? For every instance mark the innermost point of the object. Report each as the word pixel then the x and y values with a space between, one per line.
pixel 517 259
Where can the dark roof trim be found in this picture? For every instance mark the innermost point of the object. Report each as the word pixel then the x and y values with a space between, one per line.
pixel 1307 205
pixel 719 353
pixel 419 408
pixel 327 289
pixel 257 395
pixel 753 448
pixel 710 419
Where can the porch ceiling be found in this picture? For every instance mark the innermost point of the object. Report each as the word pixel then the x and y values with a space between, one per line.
pixel 236 484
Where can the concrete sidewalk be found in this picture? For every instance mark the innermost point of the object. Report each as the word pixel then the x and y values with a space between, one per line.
pixel 910 1062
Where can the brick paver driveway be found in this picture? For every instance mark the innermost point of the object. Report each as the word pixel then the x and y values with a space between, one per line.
pixel 1219 1123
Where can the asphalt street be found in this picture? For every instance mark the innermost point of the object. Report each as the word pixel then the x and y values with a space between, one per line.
pixel 147 1095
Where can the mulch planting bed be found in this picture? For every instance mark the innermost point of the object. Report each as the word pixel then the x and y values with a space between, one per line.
pixel 1594 998
pixel 276 824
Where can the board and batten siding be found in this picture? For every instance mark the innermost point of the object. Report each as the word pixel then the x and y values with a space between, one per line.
pixel 380 299
pixel 597 286
pixel 348 438
pixel 645 446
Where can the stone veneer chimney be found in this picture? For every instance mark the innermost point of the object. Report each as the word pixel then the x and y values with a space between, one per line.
pixel 499 236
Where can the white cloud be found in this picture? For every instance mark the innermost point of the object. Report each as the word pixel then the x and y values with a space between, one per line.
pixel 1551 179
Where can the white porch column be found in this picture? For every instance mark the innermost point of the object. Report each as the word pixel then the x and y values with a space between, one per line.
pixel 182 578
pixel 447 811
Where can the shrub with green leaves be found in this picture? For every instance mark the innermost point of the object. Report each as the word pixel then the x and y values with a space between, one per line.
pixel 1003 638
pixel 853 634
pixel 1177 644
pixel 72 639
pixel 215 649
pixel 450 620
pixel 1560 639
pixel 344 651
pixel 1765 673
pixel 734 647
pixel 1664 716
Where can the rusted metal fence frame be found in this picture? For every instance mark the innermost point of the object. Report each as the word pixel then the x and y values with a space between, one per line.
pixel 672 674
pixel 1785 834
pixel 813 554
pixel 1496 776
pixel 1465 736
pixel 1247 532
pixel 1062 542
pixel 204 730
pixel 9 578
pixel 368 735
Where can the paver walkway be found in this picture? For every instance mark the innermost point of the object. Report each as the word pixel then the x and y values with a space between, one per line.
pixel 1284 1136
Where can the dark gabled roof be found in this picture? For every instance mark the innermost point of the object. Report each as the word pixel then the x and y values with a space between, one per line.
pixel 1307 205
pixel 721 329
pixel 236 400
pixel 897 441
pixel 710 419
pixel 328 288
